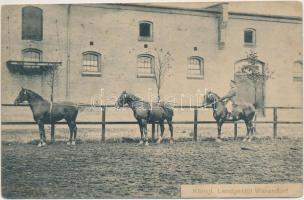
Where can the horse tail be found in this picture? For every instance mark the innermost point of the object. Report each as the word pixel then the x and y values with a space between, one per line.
pixel 81 107
pixel 168 109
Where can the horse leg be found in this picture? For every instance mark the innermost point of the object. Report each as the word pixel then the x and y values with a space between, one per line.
pixel 71 132
pixel 248 130
pixel 219 131
pixel 75 132
pixel 162 129
pixel 171 131
pixel 144 127
pixel 141 141
pixel 250 134
pixel 42 134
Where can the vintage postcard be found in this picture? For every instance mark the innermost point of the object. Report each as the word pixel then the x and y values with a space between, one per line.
pixel 152 100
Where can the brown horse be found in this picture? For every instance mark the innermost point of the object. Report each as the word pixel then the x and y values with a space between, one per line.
pixel 45 112
pixel 220 114
pixel 146 113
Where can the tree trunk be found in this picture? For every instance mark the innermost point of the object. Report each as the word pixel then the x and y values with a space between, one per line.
pixel 52 99
pixel 158 94
pixel 255 105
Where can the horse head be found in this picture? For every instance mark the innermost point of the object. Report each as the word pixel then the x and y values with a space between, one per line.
pixel 126 99
pixel 121 100
pixel 22 96
pixel 210 98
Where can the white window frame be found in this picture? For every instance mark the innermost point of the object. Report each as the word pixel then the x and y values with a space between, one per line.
pixel 297 71
pixel 141 74
pixel 85 66
pixel 32 50
pixel 190 69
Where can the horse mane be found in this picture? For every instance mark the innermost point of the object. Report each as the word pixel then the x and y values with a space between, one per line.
pixel 214 94
pixel 133 97
pixel 34 94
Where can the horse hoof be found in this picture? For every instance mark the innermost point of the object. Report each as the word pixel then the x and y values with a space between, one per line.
pixel 171 141
pixel 68 143
pixel 141 142
pixel 43 144
pixel 73 143
pixel 218 140
pixel 249 140
pixel 245 139
pixel 158 141
pixel 39 145
pixel 146 143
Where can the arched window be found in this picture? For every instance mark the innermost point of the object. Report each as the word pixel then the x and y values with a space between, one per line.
pixel 298 71
pixel 145 31
pixel 249 37
pixel 195 67
pixel 32 23
pixel 32 55
pixel 91 61
pixel 145 65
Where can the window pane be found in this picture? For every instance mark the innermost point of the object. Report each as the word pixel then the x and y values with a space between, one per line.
pixel 195 66
pixel 298 71
pixel 144 30
pixel 248 36
pixel 90 63
pixel 32 56
pixel 31 23
pixel 145 65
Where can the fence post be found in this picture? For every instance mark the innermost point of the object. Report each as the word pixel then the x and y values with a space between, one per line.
pixel 153 131
pixel 52 132
pixel 195 125
pixel 275 120
pixel 235 130
pixel 103 129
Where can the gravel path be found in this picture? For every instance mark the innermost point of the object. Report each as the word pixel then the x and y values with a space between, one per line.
pixel 121 169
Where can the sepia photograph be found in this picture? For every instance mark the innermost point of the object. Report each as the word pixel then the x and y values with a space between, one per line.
pixel 154 100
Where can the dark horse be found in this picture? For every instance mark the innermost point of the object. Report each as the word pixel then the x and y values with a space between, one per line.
pixel 220 113
pixel 45 112
pixel 146 113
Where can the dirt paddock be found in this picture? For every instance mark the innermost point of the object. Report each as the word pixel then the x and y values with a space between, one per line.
pixel 120 168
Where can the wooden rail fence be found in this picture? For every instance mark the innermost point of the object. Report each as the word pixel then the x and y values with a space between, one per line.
pixel 195 121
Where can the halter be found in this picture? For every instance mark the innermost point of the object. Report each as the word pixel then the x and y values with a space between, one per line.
pixel 214 102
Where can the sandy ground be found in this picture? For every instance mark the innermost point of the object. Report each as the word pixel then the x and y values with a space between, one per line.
pixel 26 133
pixel 120 168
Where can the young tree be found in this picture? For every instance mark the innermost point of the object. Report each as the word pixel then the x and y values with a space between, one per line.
pixel 52 77
pixel 162 64
pixel 254 73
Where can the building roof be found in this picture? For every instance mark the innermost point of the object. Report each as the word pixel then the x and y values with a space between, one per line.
pixel 254 10
pixel 283 8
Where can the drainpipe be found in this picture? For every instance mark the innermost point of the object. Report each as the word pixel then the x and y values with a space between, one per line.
pixel 223 21
pixel 67 92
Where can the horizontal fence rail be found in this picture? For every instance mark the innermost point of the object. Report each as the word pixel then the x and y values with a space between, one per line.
pixel 195 121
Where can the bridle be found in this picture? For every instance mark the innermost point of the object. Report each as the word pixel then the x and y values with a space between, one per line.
pixel 210 104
